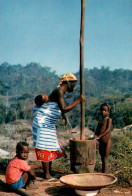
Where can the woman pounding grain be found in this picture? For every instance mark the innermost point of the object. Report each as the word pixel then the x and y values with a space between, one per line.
pixel 46 114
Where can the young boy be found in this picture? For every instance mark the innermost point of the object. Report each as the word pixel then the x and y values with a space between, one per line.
pixel 18 173
pixel 102 134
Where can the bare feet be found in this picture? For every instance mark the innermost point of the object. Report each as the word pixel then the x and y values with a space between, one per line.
pixel 31 186
pixel 48 176
pixel 52 180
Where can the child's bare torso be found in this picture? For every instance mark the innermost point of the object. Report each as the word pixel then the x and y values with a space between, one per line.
pixel 101 128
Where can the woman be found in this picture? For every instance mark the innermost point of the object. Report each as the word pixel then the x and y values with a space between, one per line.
pixel 46 114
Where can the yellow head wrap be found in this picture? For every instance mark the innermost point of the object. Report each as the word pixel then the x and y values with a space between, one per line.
pixel 68 77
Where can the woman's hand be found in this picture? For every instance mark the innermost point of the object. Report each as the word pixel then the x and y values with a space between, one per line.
pixel 82 98
pixel 97 137
pixel 64 119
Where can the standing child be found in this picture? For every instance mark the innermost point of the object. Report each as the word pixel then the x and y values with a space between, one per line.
pixel 103 135
pixel 18 172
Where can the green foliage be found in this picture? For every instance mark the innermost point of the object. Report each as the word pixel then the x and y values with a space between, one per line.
pixel 10 116
pixel 121 111
pixel 19 85
pixel 3 165
pixel 123 114
pixel 2 113
pixel 120 158
pixel 33 79
pixel 3 88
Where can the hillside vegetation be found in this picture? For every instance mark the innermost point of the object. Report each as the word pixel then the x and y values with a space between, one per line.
pixel 19 85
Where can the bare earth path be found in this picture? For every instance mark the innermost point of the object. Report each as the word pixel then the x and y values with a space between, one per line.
pixel 58 189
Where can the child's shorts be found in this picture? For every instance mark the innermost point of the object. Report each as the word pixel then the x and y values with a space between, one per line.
pixel 17 185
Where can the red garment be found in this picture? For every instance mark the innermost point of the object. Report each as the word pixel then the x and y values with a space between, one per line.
pixel 44 155
pixel 15 169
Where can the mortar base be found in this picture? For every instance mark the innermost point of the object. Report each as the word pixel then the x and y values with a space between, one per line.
pixel 86 193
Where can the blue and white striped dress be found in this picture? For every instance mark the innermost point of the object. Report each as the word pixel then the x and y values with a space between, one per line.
pixel 44 131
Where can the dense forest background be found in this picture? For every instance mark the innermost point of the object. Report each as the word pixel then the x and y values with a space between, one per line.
pixel 20 84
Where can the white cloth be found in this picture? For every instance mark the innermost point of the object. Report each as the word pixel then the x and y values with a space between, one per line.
pixel 44 131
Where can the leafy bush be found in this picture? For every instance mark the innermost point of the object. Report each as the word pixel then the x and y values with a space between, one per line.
pixel 3 165
pixel 120 158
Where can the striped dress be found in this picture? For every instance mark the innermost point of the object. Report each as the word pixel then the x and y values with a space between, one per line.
pixel 44 131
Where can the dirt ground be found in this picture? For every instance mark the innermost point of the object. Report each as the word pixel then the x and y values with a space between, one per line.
pixel 46 188
pixel 58 189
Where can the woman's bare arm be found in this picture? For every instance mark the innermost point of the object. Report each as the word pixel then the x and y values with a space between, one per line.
pixel 68 108
pixel 58 96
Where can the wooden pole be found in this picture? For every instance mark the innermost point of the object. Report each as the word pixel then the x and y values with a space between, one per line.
pixel 82 152
pixel 82 124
